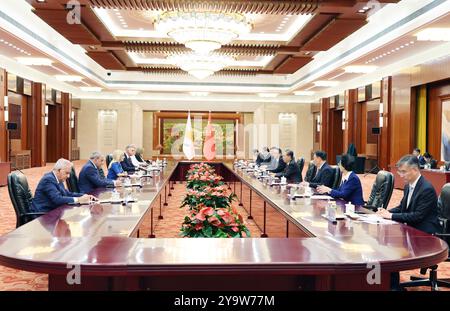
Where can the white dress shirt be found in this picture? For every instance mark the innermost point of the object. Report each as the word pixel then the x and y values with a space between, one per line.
pixel 411 191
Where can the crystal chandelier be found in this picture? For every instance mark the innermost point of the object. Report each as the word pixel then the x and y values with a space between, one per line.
pixel 202 32
pixel 198 65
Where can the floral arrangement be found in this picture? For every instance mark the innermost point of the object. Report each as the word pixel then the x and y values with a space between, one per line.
pixel 210 210
pixel 202 175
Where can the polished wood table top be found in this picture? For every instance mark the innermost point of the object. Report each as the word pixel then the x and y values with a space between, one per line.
pixel 98 238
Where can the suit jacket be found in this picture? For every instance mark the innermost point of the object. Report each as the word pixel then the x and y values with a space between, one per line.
pixel 350 190
pixel 90 179
pixel 260 160
pixel 422 212
pixel 291 172
pixel 127 165
pixel 324 176
pixel 422 161
pixel 50 194
pixel 281 166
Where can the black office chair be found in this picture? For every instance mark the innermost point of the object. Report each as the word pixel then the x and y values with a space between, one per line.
pixel 337 176
pixel 310 172
pixel 381 190
pixel 72 181
pixel 443 207
pixel 108 159
pixel 433 164
pixel 301 164
pixel 21 197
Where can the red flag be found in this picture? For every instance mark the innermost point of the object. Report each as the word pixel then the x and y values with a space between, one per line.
pixel 209 147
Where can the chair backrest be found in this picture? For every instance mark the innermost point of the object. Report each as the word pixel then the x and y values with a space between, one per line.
pixel 21 197
pixel 310 172
pixel 444 210
pixel 72 181
pixel 381 190
pixel 301 164
pixel 433 163
pixel 337 176
pixel 108 160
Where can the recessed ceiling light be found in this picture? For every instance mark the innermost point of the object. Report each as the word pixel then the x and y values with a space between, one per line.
pixel 41 1
pixel 34 61
pixel 68 78
pixel 129 92
pixel 325 83
pixel 262 32
pixel 361 11
pixel 434 34
pixel 91 89
pixel 304 93
pixel 271 95
pixel 365 8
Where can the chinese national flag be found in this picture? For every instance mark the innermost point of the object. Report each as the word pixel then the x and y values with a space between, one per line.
pixel 209 147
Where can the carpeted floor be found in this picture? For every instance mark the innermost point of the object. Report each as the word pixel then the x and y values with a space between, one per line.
pixel 11 279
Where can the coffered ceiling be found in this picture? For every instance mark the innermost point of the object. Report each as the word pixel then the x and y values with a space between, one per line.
pixel 285 35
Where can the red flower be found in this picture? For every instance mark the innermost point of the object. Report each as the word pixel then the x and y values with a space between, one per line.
pixel 214 221
pixel 199 226
pixel 208 211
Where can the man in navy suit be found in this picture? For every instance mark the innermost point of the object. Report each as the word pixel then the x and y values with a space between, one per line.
pixel 350 189
pixel 50 192
pixel 291 170
pixel 324 175
pixel 418 207
pixel 416 153
pixel 127 163
pixel 90 177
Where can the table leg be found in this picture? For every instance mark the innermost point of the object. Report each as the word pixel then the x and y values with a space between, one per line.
pixel 250 211
pixel 160 207
pixel 165 196
pixel 264 234
pixel 240 197
pixel 152 234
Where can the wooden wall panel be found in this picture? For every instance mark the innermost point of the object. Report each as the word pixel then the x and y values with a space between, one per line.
pixel 3 139
pixel 66 143
pixel 402 134
pixel 350 101
pixel 385 136
pixel 324 135
pixel 38 135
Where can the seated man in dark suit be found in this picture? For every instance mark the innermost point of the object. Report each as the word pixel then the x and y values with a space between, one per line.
pixel 277 164
pixel 416 153
pixel 324 175
pixel 140 157
pixel 291 171
pixel 350 189
pixel 418 207
pixel 90 177
pixel 127 163
pixel 263 157
pixel 432 163
pixel 50 192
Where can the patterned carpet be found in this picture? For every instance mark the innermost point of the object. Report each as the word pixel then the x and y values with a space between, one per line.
pixel 15 280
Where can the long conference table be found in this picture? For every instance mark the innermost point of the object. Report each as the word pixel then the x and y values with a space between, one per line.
pixel 100 247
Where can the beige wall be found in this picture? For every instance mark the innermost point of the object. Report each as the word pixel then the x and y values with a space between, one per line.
pixel 135 123
pixel 266 121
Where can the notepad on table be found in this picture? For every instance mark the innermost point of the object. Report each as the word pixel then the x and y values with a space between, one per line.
pixel 321 197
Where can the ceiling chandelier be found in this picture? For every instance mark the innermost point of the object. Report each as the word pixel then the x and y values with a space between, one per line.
pixel 202 32
pixel 199 65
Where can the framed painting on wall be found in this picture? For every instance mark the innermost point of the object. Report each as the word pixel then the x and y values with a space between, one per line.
pixel 445 136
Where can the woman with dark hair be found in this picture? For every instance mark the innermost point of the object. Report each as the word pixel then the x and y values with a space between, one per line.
pixel 350 189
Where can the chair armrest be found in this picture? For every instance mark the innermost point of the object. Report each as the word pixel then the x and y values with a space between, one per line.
pixel 34 214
